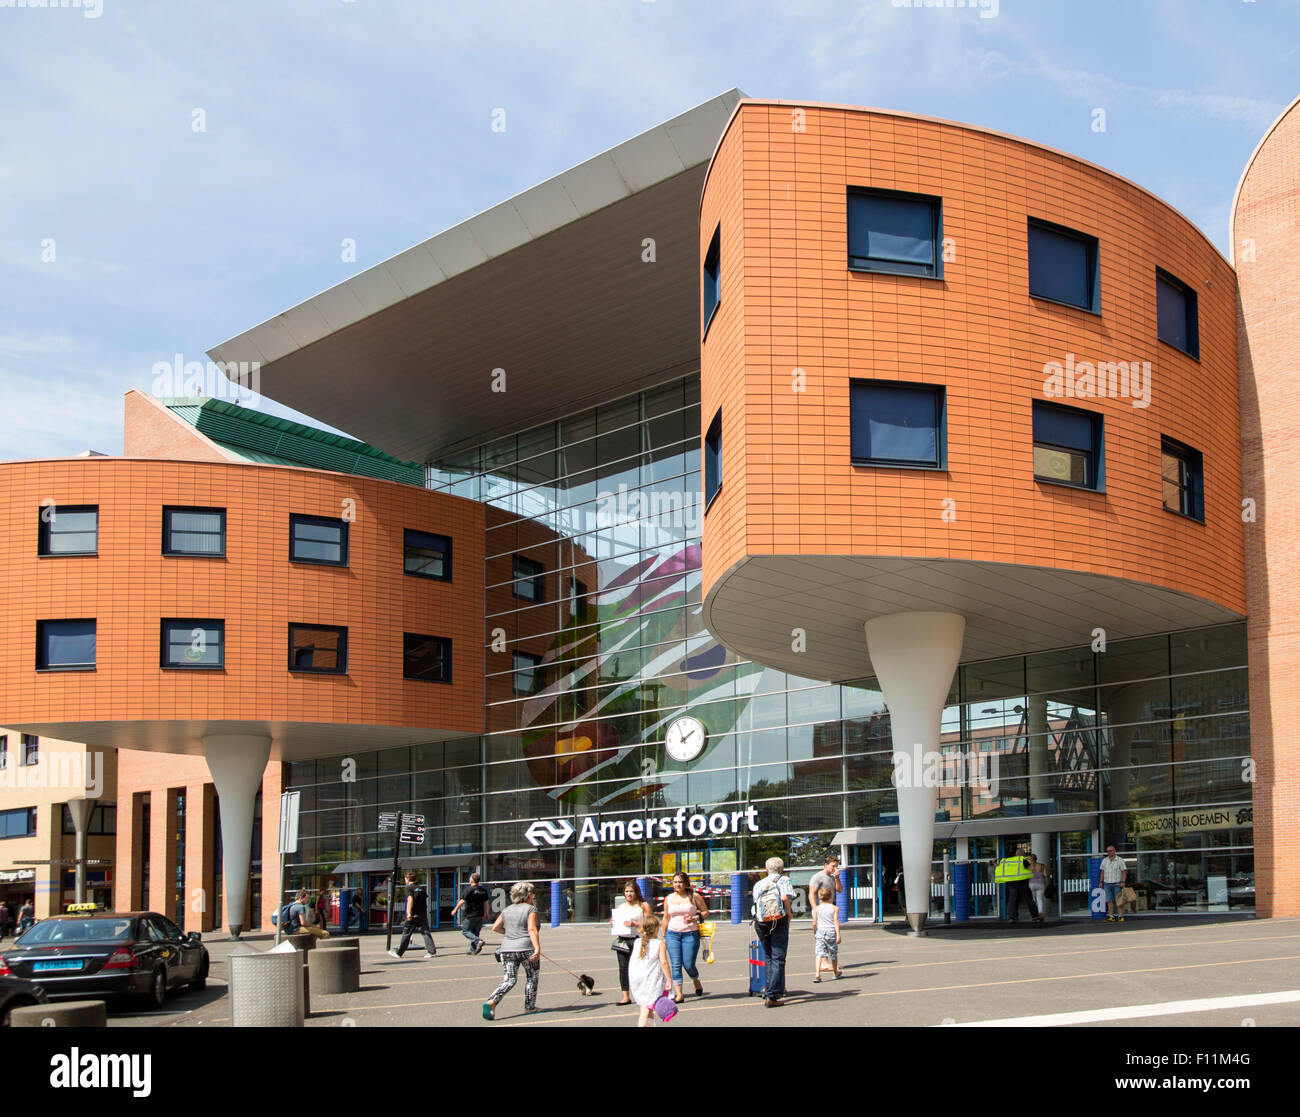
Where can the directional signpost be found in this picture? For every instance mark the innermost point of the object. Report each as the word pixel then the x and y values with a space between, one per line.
pixel 413 829
pixel 409 828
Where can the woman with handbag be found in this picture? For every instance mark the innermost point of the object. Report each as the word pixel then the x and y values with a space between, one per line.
pixel 1038 887
pixel 683 910
pixel 521 946
pixel 625 924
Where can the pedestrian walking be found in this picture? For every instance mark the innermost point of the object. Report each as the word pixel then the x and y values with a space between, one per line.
pixel 6 920
pixel 417 918
pixel 473 907
pixel 829 877
pixel 520 946
pixel 772 914
pixel 649 972
pixel 1038 887
pixel 683 909
pixel 356 909
pixel 625 924
pixel 826 921
pixel 26 916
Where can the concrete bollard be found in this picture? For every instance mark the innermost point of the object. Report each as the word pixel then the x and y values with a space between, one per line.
pixel 337 970
pixel 65 1014
pixel 334 944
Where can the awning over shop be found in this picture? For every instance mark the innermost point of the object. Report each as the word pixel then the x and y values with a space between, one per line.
pixel 976 828
pixel 385 864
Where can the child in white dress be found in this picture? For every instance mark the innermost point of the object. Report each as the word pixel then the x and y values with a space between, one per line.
pixel 648 972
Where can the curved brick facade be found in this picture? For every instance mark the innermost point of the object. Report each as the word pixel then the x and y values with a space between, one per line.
pixel 777 187
pixel 129 586
pixel 1266 245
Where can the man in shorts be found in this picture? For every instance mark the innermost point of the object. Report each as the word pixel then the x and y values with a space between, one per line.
pixel 1113 875
pixel 828 878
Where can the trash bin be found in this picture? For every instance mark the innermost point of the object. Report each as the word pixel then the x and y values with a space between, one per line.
pixel 267 989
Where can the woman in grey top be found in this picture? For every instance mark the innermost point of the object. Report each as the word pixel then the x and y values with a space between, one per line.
pixel 521 946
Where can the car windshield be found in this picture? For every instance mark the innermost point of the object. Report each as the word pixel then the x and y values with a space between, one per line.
pixel 77 930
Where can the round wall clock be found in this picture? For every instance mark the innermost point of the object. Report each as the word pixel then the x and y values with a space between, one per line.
pixel 685 739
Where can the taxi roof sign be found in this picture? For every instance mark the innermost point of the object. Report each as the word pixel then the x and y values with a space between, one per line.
pixel 82 907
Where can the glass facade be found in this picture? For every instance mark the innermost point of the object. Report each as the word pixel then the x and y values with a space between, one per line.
pixel 1147 737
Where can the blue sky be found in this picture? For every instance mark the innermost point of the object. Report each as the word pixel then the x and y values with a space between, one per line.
pixel 371 119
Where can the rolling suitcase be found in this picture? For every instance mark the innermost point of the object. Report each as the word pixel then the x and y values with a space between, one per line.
pixel 757 969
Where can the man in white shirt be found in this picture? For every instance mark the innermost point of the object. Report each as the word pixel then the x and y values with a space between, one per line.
pixel 1113 875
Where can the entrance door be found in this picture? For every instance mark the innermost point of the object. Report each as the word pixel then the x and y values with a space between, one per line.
pixel 445 894
pixel 889 862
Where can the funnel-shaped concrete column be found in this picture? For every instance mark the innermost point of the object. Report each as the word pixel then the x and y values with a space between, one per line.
pixel 236 761
pixel 80 809
pixel 914 656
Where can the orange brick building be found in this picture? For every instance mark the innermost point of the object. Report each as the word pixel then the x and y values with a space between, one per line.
pixel 894 438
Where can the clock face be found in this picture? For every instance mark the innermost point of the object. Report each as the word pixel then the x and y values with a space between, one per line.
pixel 685 739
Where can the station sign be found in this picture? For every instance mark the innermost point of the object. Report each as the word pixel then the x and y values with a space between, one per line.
pixel 687 822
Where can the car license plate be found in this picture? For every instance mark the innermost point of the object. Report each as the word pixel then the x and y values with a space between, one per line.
pixel 60 964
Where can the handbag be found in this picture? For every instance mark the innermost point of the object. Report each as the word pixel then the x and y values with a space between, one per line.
pixel 665 1008
pixel 622 946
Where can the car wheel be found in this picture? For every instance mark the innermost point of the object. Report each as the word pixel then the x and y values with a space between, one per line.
pixel 157 994
pixel 201 979
pixel 17 1002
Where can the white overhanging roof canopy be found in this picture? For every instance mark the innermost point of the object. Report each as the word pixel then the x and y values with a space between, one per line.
pixel 552 286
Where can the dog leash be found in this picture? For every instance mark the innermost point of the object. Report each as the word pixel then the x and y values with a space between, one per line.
pixel 585 983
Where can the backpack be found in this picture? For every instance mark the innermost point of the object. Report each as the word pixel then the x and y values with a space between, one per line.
pixel 288 921
pixel 768 907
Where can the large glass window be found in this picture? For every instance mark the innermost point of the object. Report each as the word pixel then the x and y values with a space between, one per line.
pixel 319 648
pixel 427 555
pixel 896 424
pixel 315 539
pixel 196 532
pixel 73 530
pixel 1063 266
pixel 894 232
pixel 1182 479
pixel 18 823
pixel 65 645
pixel 710 281
pixel 427 658
pixel 1067 446
pixel 1176 319
pixel 193 644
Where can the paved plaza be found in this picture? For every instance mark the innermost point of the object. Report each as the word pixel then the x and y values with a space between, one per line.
pixel 1161 972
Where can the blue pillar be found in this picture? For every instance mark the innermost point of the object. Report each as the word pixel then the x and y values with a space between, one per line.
pixel 1094 884
pixel 842 900
pixel 557 903
pixel 961 891
pixel 647 891
pixel 738 905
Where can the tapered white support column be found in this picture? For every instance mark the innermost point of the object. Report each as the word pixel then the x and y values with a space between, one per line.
pixel 236 761
pixel 80 809
pixel 914 656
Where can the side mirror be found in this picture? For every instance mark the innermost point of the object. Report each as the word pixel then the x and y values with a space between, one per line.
pixel 194 937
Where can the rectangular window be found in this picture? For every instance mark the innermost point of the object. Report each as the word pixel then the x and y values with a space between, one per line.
pixel 319 648
pixel 577 597
pixel 1067 446
pixel 4 751
pixel 199 532
pixel 529 583
pixel 102 820
pixel 526 666
pixel 427 555
pixel 896 424
pixel 19 823
pixel 895 232
pixel 712 272
pixel 73 530
pixel 65 645
pixel 1176 321
pixel 1182 479
pixel 426 657
pixel 1063 266
pixel 193 644
pixel 31 754
pixel 713 460
pixel 318 540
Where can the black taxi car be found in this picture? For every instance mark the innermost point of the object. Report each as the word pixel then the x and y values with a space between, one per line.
pixel 108 954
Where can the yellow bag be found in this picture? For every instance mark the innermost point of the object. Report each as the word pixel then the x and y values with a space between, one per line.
pixel 706 937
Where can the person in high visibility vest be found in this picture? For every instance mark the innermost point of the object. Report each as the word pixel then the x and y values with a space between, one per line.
pixel 1015 873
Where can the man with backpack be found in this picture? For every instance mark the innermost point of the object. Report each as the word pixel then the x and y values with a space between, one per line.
pixel 772 914
pixel 417 918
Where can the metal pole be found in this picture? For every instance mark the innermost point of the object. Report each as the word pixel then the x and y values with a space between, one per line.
pixel 279 905
pixel 392 878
